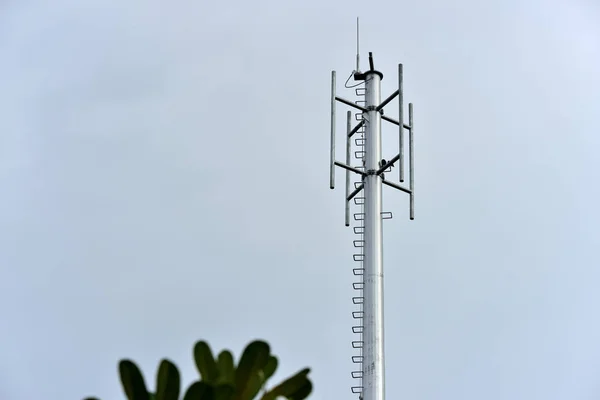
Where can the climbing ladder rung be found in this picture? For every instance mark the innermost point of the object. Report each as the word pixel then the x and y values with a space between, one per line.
pixel 358 285
pixel 357 374
pixel 359 243
pixel 361 91
pixel 359 201
pixel 357 359
pixel 359 230
pixel 359 216
pixel 357 314
pixel 358 257
pixel 357 344
pixel 358 271
pixel 357 329
pixel 360 154
pixel 357 185
pixel 357 389
pixel 358 116
pixel 359 141
pixel 358 300
pixel 386 215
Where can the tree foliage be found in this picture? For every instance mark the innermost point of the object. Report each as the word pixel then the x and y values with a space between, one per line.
pixel 220 378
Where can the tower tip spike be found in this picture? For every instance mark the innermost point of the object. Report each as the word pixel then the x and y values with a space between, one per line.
pixel 357 45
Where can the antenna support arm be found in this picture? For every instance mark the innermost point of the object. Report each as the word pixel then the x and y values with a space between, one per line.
pixel 349 168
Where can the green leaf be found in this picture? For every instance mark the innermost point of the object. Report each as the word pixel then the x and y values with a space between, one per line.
pixel 205 362
pixel 258 381
pixel 132 381
pixel 226 368
pixel 253 360
pixel 270 368
pixel 168 381
pixel 303 392
pixel 224 391
pixel 199 391
pixel 291 386
pixel 255 382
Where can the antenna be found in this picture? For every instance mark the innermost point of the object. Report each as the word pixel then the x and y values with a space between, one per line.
pixel 357 48
pixel 365 143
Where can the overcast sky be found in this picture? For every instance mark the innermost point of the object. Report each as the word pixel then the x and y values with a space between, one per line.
pixel 164 179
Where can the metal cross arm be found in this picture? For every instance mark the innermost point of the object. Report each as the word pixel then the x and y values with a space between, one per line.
pixel 388 164
pixel 396 186
pixel 393 121
pixel 386 101
pixel 355 192
pixel 351 104
pixel 379 108
pixel 356 128
pixel 349 168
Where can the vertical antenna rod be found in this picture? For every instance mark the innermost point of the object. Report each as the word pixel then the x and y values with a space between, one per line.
pixel 348 160
pixel 411 160
pixel 357 48
pixel 332 155
pixel 400 125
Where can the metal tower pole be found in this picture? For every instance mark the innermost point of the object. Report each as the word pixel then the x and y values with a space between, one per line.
pixel 373 365
pixel 368 222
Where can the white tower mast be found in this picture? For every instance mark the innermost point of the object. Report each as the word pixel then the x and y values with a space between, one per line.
pixel 369 221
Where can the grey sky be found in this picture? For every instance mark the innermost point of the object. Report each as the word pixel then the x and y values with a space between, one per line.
pixel 164 165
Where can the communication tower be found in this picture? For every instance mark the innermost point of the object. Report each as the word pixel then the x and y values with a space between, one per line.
pixel 364 142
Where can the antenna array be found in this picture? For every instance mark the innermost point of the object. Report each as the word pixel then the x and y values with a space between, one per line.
pixel 364 142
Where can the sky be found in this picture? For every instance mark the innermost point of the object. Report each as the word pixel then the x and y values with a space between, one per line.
pixel 164 179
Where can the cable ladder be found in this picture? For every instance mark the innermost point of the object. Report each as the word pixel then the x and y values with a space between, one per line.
pixel 358 256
